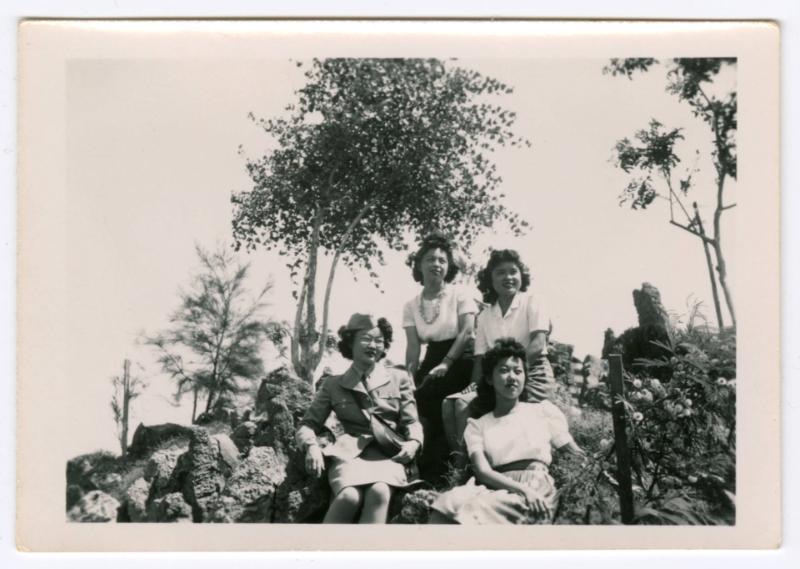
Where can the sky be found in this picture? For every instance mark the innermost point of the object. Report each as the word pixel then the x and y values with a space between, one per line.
pixel 153 158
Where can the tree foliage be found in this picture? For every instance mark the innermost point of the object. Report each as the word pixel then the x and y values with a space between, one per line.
pixel 371 151
pixel 651 158
pixel 213 345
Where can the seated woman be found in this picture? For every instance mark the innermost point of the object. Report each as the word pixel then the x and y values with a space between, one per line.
pixel 509 448
pixel 514 313
pixel 361 473
pixel 441 316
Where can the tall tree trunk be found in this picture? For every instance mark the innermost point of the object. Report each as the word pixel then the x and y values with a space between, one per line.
pixel 194 403
pixel 212 392
pixel 329 286
pixel 303 335
pixel 126 400
pixel 711 275
pixel 721 267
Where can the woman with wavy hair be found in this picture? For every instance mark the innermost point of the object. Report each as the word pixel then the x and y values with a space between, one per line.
pixel 509 447
pixel 361 472
pixel 441 317
pixel 512 312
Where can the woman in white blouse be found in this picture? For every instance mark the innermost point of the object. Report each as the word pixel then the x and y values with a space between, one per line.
pixel 512 312
pixel 442 317
pixel 509 448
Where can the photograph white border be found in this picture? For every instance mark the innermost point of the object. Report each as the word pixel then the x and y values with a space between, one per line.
pixel 45 46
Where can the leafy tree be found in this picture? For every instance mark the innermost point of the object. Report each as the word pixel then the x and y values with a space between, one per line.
pixel 213 346
pixel 652 159
pixel 371 152
pixel 126 389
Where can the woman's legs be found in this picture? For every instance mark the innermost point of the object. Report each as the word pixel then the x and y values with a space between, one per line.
pixel 376 504
pixel 344 507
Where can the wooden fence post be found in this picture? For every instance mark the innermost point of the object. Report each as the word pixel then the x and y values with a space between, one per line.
pixel 620 438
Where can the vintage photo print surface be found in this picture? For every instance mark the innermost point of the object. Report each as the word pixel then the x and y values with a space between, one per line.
pixel 516 275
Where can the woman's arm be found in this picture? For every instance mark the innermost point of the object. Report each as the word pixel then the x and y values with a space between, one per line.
pixel 537 344
pixel 412 349
pixel 312 422
pixel 466 326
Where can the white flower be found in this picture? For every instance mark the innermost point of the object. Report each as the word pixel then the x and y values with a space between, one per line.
pixel 638 416
pixel 721 381
pixel 687 402
pixel 637 383
pixel 692 479
pixel 604 443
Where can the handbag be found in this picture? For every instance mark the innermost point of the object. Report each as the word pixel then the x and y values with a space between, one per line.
pixel 388 439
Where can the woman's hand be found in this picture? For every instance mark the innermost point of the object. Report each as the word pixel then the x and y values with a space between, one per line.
pixel 535 502
pixel 573 448
pixel 440 370
pixel 407 451
pixel 315 462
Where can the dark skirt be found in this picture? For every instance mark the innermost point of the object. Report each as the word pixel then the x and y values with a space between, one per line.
pixel 429 395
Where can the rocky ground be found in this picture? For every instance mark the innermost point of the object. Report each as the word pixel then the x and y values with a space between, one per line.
pixel 245 470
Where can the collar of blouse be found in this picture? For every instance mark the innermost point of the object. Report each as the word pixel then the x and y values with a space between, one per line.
pixel 352 378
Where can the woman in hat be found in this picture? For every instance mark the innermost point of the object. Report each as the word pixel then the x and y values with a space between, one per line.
pixel 373 403
pixel 509 448
pixel 441 317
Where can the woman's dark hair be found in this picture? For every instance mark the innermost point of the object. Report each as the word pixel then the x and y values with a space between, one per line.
pixel 503 348
pixel 346 338
pixel 496 258
pixel 435 240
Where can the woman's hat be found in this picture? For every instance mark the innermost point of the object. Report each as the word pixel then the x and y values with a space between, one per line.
pixel 361 322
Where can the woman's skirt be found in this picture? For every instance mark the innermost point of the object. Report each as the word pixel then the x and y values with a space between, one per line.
pixel 369 467
pixel 429 395
pixel 474 504
pixel 431 391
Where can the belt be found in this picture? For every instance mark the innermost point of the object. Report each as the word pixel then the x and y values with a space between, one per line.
pixel 524 464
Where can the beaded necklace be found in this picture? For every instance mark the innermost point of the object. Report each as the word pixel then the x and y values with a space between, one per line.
pixel 434 304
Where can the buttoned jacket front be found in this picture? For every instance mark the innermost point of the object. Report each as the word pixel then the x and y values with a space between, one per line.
pixel 388 394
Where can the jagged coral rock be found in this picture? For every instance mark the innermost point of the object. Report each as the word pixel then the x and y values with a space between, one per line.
pixel 96 506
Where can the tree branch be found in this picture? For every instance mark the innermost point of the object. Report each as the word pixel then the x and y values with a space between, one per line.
pixel 693 232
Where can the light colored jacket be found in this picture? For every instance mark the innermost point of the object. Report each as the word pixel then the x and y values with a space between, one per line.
pixel 392 399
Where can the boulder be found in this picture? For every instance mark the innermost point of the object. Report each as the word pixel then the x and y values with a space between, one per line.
pixel 301 497
pixel 74 493
pixel 642 341
pixel 200 472
pixel 170 508
pixel 243 436
pixel 108 482
pixel 92 471
pixel 282 400
pixel 146 439
pixel 134 507
pixel 96 506
pixel 228 451
pixel 249 493
pixel 159 469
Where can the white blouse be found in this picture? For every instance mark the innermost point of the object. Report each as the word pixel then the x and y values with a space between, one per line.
pixel 454 302
pixel 527 432
pixel 525 315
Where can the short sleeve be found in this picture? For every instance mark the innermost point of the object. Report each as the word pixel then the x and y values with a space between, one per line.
pixel 408 314
pixel 557 422
pixel 538 318
pixel 473 437
pixel 480 334
pixel 465 304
